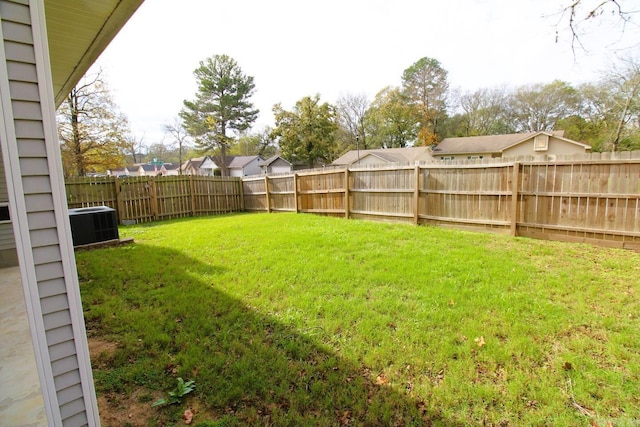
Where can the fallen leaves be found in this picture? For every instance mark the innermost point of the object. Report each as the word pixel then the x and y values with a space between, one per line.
pixel 187 416
pixel 480 341
pixel 381 380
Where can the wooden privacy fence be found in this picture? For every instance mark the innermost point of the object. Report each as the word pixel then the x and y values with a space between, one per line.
pixel 594 201
pixel 144 199
pixel 587 201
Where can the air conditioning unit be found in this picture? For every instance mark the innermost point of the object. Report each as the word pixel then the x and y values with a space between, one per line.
pixel 93 225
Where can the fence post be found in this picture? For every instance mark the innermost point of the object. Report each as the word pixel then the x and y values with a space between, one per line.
pixel 295 192
pixel 192 188
pixel 119 208
pixel 154 197
pixel 241 192
pixel 266 193
pixel 346 193
pixel 416 195
pixel 515 177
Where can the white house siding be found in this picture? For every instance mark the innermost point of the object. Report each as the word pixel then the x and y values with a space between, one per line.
pixel 280 166
pixel 253 167
pixel 36 192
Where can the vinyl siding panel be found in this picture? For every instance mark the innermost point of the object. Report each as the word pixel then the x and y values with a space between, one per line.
pixel 47 288
pixel 14 12
pixel 77 420
pixel 41 220
pixel 19 52
pixel 30 117
pixel 69 394
pixel 25 110
pixel 61 350
pixel 54 303
pixel 48 254
pixel 38 202
pixel 52 270
pixel 36 185
pixel 46 237
pixel 17 32
pixel 72 408
pixel 24 91
pixel 34 166
pixel 31 148
pixel 55 320
pixel 21 72
pixel 67 380
pixel 6 236
pixel 64 365
pixel 58 335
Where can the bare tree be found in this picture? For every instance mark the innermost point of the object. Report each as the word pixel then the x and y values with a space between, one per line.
pixel 352 111
pixel 625 92
pixel 180 136
pixel 484 111
pixel 578 13
pixel 91 130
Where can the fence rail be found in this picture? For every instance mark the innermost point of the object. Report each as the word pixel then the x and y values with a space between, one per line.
pixel 594 201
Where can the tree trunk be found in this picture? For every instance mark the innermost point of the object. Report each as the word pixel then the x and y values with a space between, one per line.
pixel 76 142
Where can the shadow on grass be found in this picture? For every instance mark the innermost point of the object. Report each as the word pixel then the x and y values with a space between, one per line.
pixel 250 368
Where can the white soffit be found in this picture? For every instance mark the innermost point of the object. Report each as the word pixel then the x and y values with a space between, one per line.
pixel 78 32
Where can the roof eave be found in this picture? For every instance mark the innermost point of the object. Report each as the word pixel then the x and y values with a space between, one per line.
pixel 89 49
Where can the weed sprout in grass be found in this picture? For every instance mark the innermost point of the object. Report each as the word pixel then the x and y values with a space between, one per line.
pixel 176 395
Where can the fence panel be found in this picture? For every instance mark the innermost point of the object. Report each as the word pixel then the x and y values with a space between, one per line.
pixel 467 196
pixel 88 192
pixel 173 194
pixel 135 199
pixel 582 201
pixel 322 192
pixel 214 195
pixel 384 193
pixel 255 194
pixel 282 195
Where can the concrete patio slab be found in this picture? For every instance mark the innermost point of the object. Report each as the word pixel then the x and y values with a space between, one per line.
pixel 21 402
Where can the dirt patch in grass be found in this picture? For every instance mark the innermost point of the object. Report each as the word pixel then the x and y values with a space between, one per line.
pixel 134 410
pixel 102 352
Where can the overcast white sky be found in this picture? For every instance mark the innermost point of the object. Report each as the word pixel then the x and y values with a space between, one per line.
pixel 331 47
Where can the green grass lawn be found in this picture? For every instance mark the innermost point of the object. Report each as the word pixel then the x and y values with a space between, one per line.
pixel 285 319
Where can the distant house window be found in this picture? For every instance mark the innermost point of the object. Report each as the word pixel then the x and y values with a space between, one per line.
pixel 4 213
pixel 474 157
pixel 541 143
pixel 446 158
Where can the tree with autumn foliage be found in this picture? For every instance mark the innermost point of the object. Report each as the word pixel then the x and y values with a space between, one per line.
pixel 425 85
pixel 93 134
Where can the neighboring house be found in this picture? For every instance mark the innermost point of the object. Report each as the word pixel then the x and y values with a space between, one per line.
pixel 275 164
pixel 46 46
pixel 536 144
pixel 118 172
pixel 133 170
pixel 202 166
pixel 243 165
pixel 149 170
pixel 170 169
pixel 384 155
